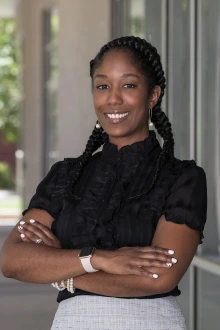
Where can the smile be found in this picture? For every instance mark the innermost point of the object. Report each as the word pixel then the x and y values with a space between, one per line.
pixel 111 115
pixel 116 118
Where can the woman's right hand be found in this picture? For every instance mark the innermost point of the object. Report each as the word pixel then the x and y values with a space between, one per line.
pixel 133 260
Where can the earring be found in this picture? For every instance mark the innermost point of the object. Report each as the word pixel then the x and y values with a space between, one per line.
pixel 98 125
pixel 150 123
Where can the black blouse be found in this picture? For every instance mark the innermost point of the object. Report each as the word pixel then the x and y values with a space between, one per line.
pixel 111 208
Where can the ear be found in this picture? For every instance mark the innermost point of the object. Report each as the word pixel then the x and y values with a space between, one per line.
pixel 154 96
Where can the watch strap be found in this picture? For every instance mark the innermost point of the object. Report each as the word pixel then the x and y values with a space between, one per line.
pixel 86 263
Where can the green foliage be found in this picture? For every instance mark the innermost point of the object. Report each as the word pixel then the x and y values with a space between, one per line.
pixel 7 179
pixel 136 26
pixel 10 91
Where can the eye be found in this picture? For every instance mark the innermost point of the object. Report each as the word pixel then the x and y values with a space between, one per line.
pixel 129 86
pixel 102 87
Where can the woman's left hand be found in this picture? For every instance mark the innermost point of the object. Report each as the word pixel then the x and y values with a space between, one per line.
pixel 35 232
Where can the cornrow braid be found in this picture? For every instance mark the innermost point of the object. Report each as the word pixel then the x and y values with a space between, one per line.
pixel 146 58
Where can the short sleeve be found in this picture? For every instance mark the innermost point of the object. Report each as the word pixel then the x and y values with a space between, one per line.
pixel 43 197
pixel 187 201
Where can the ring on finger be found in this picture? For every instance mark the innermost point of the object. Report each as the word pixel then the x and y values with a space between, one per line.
pixel 38 241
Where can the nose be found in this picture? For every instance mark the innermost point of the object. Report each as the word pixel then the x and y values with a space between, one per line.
pixel 115 97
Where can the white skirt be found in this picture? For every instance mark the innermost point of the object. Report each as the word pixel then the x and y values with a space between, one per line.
pixel 108 313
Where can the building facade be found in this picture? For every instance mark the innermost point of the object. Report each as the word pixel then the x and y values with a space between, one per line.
pixel 59 38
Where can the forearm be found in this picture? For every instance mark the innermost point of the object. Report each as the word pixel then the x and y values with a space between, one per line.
pixel 117 285
pixel 36 263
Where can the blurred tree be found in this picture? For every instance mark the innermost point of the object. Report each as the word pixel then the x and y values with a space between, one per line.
pixel 10 91
pixel 7 177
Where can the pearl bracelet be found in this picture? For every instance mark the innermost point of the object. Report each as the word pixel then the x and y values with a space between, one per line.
pixel 70 287
pixel 58 286
pixel 61 286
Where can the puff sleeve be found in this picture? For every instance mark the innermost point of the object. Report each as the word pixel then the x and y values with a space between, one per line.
pixel 187 201
pixel 43 198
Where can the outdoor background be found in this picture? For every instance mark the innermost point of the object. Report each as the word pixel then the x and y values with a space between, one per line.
pixel 46 114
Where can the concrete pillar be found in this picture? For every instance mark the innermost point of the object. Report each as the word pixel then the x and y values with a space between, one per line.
pixel 84 27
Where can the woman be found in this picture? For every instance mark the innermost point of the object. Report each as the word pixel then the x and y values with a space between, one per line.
pixel 122 223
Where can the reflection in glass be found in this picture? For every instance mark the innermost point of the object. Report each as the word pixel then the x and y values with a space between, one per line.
pixel 51 31
pixel 179 77
pixel 208 118
pixel 209 301
pixel 137 18
pixel 143 16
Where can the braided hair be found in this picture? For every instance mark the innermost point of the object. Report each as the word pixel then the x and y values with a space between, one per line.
pixel 147 60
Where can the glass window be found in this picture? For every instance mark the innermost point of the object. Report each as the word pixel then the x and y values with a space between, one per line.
pixel 120 18
pixel 208 117
pixel 209 301
pixel 179 76
pixel 183 299
pixel 142 17
pixel 50 87
pixel 137 18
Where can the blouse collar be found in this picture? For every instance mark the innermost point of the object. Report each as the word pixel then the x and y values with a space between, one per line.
pixel 138 150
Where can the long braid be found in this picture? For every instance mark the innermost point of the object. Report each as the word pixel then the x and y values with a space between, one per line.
pixel 96 139
pixel 148 61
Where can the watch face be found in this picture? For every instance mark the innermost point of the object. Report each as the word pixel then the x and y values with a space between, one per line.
pixel 86 251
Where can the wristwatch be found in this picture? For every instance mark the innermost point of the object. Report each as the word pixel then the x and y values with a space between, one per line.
pixel 85 255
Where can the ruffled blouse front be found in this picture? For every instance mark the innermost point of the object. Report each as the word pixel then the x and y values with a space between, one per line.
pixel 111 206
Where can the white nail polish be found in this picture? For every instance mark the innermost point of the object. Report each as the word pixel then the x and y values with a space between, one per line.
pixel 32 221
pixel 169 264
pixel 155 276
pixel 22 222
pixel 171 252
pixel 20 228
pixel 174 260
pixel 22 235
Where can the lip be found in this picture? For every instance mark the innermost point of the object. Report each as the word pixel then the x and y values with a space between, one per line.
pixel 116 120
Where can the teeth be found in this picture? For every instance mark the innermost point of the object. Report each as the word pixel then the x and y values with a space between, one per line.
pixel 117 115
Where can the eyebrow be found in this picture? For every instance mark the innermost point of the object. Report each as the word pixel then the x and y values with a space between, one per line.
pixel 125 75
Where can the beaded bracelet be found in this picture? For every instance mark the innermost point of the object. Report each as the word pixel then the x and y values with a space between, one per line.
pixel 70 287
pixel 58 286
pixel 62 286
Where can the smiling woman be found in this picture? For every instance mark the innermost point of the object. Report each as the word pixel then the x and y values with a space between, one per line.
pixel 121 95
pixel 122 223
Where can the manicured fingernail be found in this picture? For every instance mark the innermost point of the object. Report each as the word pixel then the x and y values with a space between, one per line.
pixel 22 235
pixel 169 264
pixel 171 252
pixel 174 260
pixel 22 222
pixel 20 228
pixel 32 221
pixel 155 276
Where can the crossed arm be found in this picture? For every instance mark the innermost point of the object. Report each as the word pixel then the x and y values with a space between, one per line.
pixel 119 275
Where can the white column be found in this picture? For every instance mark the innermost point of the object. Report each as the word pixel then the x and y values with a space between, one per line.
pixel 84 28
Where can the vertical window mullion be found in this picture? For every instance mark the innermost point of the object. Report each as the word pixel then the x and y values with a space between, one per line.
pixel 170 61
pixel 192 82
pixel 46 77
pixel 164 45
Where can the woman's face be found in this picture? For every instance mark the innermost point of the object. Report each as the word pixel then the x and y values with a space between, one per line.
pixel 120 95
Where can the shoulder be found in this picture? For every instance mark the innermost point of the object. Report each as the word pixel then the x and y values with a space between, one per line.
pixel 188 170
pixel 186 202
